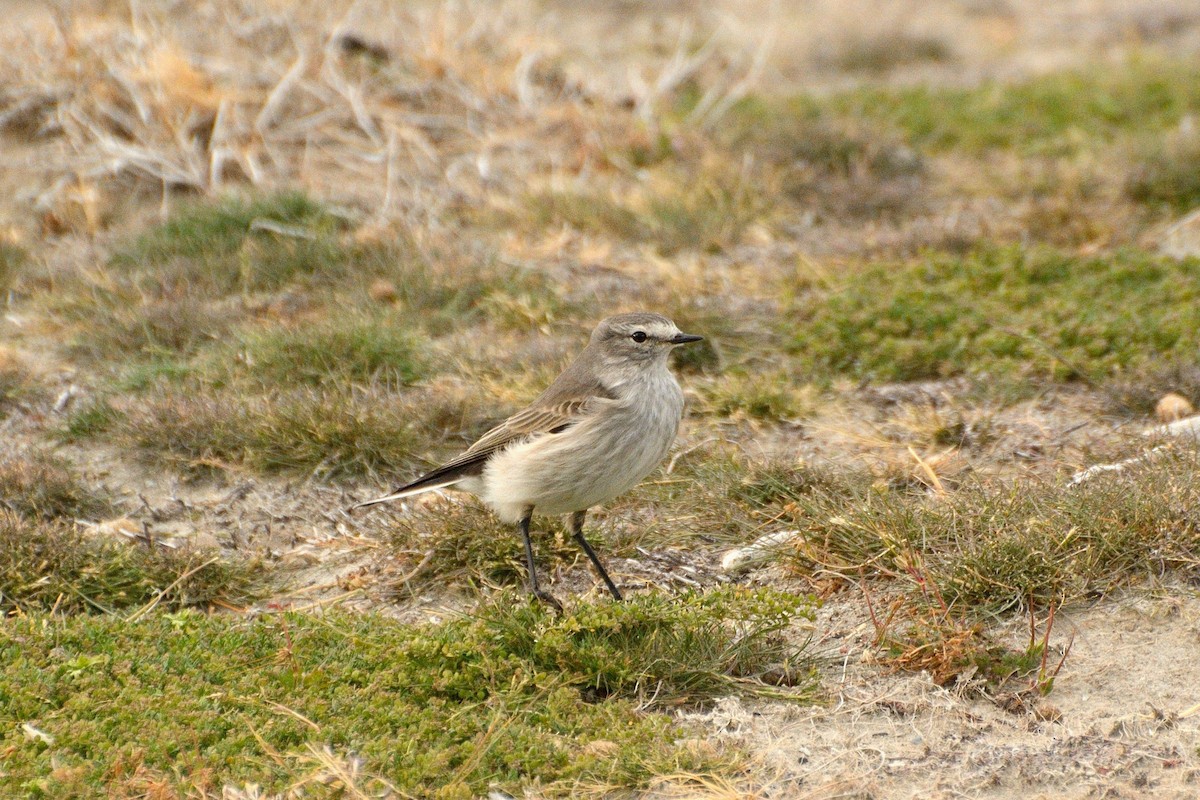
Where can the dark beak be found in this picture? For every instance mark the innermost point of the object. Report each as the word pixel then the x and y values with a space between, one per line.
pixel 684 338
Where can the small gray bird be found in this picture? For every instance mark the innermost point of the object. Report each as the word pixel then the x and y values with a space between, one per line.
pixel 602 426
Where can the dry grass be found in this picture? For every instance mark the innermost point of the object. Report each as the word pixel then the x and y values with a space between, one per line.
pixel 17 383
pixel 39 485
pixel 991 545
pixel 57 567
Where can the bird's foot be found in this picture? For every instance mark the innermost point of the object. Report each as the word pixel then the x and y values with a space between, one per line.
pixel 547 598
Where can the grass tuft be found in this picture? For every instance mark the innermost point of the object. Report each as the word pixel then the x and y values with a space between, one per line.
pixel 208 231
pixel 1015 544
pixel 54 565
pixel 330 432
pixel 91 418
pixel 1136 392
pixel 709 212
pixel 337 352
pixel 38 485
pixel 773 395
pixel 1167 173
pixel 465 540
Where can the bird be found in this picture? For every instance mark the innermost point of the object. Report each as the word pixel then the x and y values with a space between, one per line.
pixel 601 427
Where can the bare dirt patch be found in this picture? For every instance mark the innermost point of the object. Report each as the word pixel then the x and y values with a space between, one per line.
pixel 1122 720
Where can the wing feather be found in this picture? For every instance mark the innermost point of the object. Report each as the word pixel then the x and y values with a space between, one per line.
pixel 551 413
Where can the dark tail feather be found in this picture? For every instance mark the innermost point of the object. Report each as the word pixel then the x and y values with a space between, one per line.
pixel 440 478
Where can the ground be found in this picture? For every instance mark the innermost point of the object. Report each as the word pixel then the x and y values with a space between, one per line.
pixel 262 260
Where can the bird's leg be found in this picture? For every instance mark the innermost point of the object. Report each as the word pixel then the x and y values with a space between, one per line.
pixel 577 532
pixel 534 589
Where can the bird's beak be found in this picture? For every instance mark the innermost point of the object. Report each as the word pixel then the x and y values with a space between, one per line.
pixel 684 338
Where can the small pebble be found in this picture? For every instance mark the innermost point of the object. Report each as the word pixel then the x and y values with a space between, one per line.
pixel 1173 406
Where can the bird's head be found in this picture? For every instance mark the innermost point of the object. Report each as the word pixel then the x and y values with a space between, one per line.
pixel 639 337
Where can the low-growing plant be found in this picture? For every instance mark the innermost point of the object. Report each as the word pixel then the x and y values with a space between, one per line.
pixel 510 697
pixel 91 418
pixel 56 565
pixel 1057 113
pixel 1137 391
pixel 1003 311
pixel 206 230
pixel 1000 546
pixel 920 632
pixel 452 541
pixel 335 352
pixel 771 395
pixel 1166 173
pixel 330 432
pixel 710 211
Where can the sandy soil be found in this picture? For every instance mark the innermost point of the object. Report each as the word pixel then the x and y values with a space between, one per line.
pixel 1122 721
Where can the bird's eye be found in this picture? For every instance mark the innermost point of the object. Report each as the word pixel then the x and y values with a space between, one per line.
pixel 639 336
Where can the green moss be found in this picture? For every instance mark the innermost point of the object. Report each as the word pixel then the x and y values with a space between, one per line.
pixel 499 699
pixel 1058 113
pixel 1002 311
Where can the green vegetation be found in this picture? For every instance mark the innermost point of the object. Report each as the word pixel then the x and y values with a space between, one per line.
pixel 311 376
pixel 509 697
pixel 996 546
pixel 330 353
pixel 239 245
pixel 773 395
pixel 708 211
pixel 993 240
pixel 1032 312
pixel 331 432
pixel 1058 113
pixel 54 565
pixel 453 542
pixel 1166 172
pixel 93 417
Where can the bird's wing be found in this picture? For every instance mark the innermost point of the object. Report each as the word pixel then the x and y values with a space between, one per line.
pixel 531 421
pixel 550 414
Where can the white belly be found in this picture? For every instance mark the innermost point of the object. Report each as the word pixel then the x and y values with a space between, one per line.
pixel 590 463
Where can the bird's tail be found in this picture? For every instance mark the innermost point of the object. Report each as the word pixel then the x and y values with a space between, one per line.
pixel 406 491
